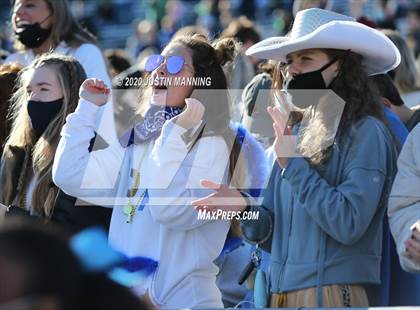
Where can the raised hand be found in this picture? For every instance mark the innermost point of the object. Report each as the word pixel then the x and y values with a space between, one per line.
pixel 284 143
pixel 224 198
pixel 192 114
pixel 413 243
pixel 95 91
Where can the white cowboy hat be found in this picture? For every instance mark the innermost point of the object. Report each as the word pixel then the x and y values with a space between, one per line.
pixel 317 28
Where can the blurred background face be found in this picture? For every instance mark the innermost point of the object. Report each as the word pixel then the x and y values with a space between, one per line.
pixel 413 21
pixel 31 11
pixel 175 95
pixel 43 85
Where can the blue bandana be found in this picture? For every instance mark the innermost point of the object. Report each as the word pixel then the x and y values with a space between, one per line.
pixel 151 125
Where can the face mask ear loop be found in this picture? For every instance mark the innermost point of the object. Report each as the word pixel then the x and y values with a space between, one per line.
pixel 328 64
pixel 44 19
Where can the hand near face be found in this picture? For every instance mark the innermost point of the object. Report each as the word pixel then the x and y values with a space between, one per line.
pixel 192 114
pixel 413 243
pixel 95 91
pixel 284 145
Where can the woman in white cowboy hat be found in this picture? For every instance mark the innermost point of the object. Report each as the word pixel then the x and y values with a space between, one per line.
pixel 322 213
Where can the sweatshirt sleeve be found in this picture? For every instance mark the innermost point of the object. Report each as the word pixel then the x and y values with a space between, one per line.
pixel 80 173
pixel 93 61
pixel 404 201
pixel 177 175
pixel 345 211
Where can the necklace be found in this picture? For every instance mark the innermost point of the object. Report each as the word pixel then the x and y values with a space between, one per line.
pixel 130 208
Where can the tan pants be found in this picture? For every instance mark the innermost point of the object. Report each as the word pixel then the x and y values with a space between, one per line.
pixel 333 296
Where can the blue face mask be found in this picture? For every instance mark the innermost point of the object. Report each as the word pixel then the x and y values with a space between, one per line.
pixel 42 113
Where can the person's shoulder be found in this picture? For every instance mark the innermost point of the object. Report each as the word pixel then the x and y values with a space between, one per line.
pixel 416 114
pixel 18 57
pixel 87 49
pixel 215 141
pixel 411 99
pixel 369 125
pixel 370 132
pixel 415 133
pixel 214 146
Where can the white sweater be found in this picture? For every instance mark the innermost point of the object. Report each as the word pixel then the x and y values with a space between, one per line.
pixel 170 233
pixel 404 200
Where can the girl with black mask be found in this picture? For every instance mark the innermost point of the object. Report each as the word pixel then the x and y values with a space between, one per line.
pixel 47 93
pixel 41 26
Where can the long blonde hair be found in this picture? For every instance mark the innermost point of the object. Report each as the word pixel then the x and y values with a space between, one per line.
pixel 38 154
pixel 64 27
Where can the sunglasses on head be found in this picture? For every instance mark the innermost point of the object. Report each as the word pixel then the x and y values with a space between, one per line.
pixel 173 63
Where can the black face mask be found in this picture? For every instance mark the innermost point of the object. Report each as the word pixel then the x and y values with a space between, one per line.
pixel 42 113
pixel 32 35
pixel 308 81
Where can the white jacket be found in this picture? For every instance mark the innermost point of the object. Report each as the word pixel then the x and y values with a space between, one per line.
pixel 404 201
pixel 92 60
pixel 170 233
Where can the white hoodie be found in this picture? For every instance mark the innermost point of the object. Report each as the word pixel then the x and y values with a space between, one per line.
pixel 404 200
pixel 170 232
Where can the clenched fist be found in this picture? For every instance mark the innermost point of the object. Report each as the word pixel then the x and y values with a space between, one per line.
pixel 95 91
pixel 192 115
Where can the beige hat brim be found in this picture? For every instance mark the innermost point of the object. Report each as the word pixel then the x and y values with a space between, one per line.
pixel 379 54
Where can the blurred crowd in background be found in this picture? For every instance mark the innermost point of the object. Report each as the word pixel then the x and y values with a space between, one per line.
pixel 127 32
pixel 125 28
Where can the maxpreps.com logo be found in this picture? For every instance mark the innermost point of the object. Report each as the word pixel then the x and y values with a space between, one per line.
pixel 227 215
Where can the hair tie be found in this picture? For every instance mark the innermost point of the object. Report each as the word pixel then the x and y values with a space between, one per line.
pixel 200 37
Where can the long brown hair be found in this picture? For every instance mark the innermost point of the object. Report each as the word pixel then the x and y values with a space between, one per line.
pixel 64 27
pixel 39 154
pixel 209 61
pixel 353 86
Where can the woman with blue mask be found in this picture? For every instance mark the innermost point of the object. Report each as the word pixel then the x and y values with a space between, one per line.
pixel 322 212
